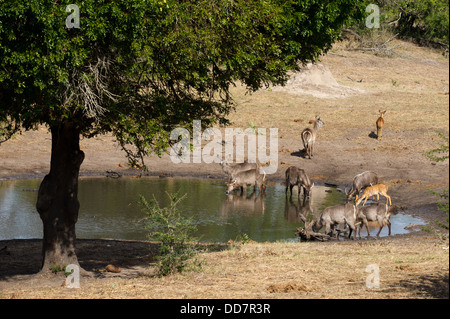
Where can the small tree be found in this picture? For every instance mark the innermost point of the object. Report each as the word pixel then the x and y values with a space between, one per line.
pixel 175 232
pixel 442 149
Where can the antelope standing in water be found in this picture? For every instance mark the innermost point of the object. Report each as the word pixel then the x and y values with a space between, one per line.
pixel 380 123
pixel 309 136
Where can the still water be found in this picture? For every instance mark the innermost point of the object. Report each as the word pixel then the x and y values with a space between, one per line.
pixel 109 208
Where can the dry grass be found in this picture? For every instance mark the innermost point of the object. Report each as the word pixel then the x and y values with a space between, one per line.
pixel 413 86
pixel 412 269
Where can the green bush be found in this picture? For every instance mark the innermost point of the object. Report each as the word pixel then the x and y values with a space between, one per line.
pixel 440 154
pixel 174 231
pixel 418 19
pixel 426 19
pixel 442 150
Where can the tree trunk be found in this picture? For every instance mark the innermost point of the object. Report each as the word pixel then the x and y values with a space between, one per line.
pixel 57 201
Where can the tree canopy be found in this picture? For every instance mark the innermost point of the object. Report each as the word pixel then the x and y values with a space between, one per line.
pixel 138 68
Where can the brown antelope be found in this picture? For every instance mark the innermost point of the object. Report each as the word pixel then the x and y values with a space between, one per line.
pixel 332 216
pixel 380 123
pixel 372 191
pixel 235 168
pixel 247 178
pixel 361 181
pixel 375 213
pixel 309 136
pixel 297 176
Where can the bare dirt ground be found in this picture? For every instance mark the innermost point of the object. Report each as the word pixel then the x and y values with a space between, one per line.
pixel 412 86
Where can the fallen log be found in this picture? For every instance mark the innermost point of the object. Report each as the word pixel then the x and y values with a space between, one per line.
pixel 306 233
pixel 303 234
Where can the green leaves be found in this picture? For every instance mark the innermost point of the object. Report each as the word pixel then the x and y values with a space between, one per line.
pixel 175 232
pixel 140 68
pixel 443 148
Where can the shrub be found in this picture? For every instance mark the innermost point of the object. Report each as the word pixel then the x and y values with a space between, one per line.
pixel 443 154
pixel 425 21
pixel 174 231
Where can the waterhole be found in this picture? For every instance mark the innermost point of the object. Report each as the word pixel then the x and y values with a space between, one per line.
pixel 109 208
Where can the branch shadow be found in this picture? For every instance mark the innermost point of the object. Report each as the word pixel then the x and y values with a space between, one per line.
pixel 22 258
pixel 426 286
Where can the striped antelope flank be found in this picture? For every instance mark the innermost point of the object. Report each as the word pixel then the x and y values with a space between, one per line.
pixel 309 136
pixel 378 189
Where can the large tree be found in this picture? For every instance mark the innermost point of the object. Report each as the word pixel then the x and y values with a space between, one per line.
pixel 138 69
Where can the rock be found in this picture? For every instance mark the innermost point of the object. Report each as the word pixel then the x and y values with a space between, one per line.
pixel 413 226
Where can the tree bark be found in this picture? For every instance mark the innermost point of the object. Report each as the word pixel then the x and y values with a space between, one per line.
pixel 57 201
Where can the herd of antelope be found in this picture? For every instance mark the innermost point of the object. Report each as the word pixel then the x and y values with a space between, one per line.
pixel 352 216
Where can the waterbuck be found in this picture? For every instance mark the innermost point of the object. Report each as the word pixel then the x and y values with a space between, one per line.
pixel 372 191
pixel 297 176
pixel 376 213
pixel 309 136
pixel 361 181
pixel 380 123
pixel 335 215
pixel 247 178
pixel 232 169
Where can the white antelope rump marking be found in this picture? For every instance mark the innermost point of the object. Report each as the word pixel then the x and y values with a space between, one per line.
pixel 309 136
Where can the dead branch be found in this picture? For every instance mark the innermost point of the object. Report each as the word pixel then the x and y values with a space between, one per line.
pixel 89 87
pixel 307 234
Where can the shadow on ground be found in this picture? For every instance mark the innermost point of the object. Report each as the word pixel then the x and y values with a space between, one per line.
pixel 22 257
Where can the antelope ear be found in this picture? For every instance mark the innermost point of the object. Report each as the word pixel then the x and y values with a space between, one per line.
pixel 312 185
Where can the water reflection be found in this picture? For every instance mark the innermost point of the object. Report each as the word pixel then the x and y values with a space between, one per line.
pixel 298 212
pixel 252 204
pixel 109 209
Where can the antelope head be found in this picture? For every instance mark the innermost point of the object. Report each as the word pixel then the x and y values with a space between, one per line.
pixel 230 185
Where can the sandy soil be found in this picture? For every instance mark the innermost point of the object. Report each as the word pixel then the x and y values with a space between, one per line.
pixel 412 86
